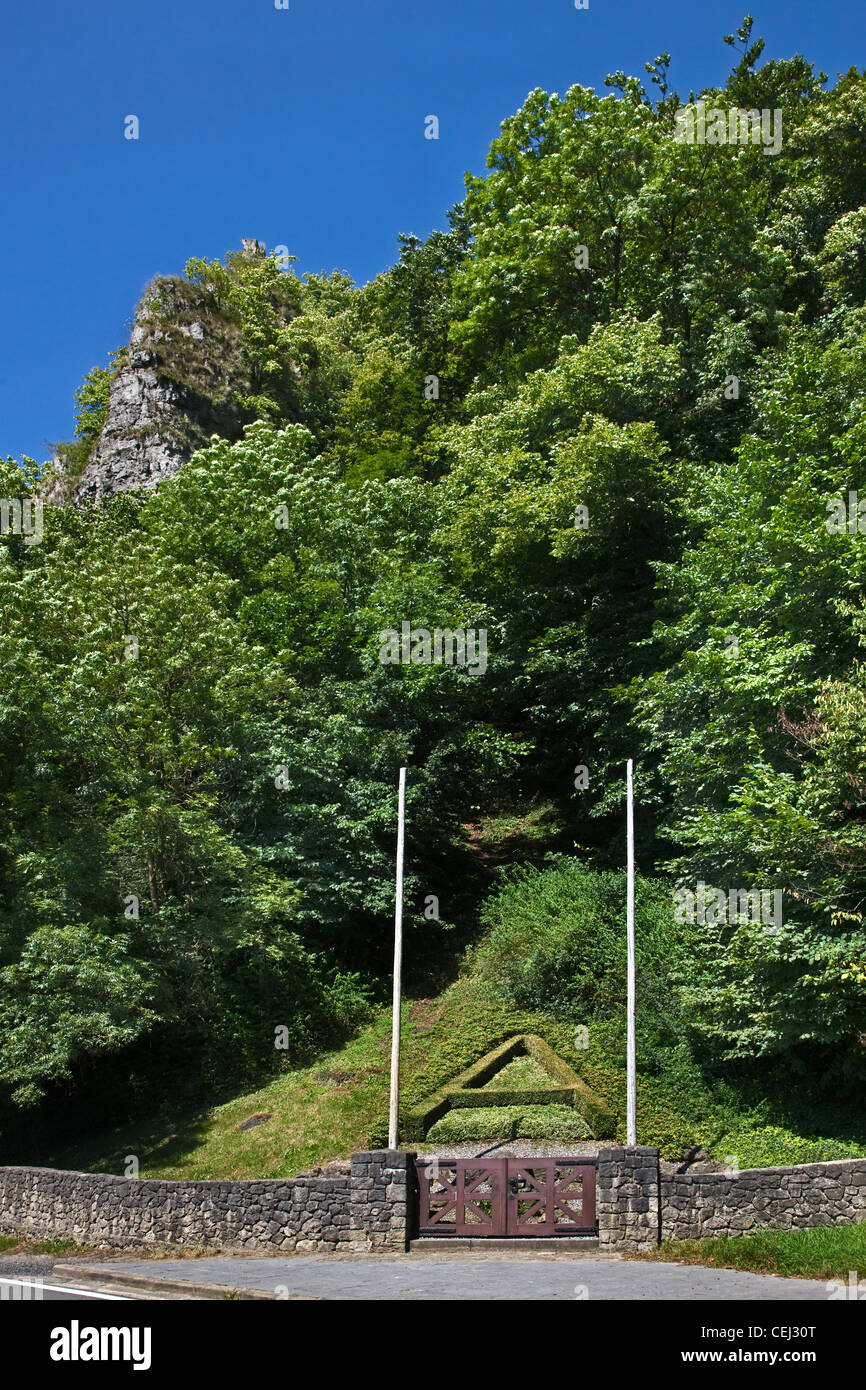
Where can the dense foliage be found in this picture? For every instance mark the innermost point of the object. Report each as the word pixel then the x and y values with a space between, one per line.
pixel 555 943
pixel 604 418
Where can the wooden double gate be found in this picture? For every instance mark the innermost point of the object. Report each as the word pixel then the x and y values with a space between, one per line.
pixel 506 1197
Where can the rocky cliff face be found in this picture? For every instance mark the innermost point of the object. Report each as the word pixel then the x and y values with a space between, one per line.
pixel 140 443
pixel 179 384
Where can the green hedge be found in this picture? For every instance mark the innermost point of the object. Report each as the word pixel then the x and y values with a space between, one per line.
pixel 548 1095
pixel 464 1093
pixel 504 1122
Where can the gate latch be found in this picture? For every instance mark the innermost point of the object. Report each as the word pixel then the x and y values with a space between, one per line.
pixel 518 1185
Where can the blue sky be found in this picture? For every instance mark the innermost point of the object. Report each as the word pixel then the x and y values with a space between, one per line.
pixel 302 127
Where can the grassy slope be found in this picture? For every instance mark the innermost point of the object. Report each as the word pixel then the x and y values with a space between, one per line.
pixel 318 1113
pixel 341 1103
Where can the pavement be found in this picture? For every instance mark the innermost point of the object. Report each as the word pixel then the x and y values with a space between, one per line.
pixel 414 1277
pixel 36 1290
pixel 31 1278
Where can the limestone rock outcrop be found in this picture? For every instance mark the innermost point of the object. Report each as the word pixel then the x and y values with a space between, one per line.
pixel 179 382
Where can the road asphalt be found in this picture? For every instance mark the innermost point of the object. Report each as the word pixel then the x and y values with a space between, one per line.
pixel 38 1290
pixel 469 1278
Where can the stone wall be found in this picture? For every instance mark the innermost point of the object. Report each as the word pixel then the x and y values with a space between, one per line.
pixel 371 1205
pixel 367 1207
pixel 627 1198
pixel 719 1204
pixel 638 1204
pixel 383 1198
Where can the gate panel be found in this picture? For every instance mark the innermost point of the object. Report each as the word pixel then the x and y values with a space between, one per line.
pixel 552 1196
pixel 506 1197
pixel 462 1197
pixel 481 1197
pixel 437 1185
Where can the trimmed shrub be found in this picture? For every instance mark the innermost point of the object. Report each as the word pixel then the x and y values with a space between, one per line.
pixel 554 1123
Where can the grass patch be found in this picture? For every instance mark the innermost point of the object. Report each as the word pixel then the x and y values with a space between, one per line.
pixel 535 826
pixel 520 1074
pixel 823 1252
pixel 317 1113
pixel 772 1146
pixel 20 1245
pixel 676 1112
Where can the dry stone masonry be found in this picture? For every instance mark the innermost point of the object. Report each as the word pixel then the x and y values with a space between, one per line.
pixel 371 1204
pixel 638 1205
pixel 383 1205
pixel 783 1199
pixel 627 1198
pixel 360 1207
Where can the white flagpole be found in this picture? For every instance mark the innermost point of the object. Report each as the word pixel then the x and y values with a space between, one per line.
pixel 631 1074
pixel 398 962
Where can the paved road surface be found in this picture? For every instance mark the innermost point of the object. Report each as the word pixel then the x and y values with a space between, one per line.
pixel 37 1291
pixel 517 1278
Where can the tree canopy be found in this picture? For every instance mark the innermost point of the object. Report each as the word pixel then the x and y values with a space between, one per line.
pixel 614 417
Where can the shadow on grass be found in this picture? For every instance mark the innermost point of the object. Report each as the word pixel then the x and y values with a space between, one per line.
pixel 147 1141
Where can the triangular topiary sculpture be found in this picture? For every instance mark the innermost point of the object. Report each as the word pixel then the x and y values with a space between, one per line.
pixel 497 1079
